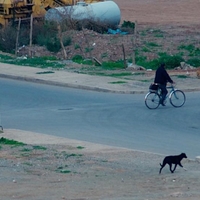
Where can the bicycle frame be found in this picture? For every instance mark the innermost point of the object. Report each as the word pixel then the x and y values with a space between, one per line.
pixel 176 97
pixel 169 93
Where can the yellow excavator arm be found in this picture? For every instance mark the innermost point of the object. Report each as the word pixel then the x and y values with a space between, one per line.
pixel 15 9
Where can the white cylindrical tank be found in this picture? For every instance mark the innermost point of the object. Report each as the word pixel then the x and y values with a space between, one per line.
pixel 106 12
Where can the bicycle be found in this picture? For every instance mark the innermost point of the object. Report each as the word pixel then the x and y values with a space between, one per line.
pixel 152 98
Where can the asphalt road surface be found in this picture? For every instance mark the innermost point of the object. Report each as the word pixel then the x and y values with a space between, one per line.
pixel 113 119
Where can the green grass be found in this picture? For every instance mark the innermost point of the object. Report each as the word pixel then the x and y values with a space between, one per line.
pixel 194 62
pixel 80 147
pixel 72 155
pixel 28 164
pixel 139 73
pixel 113 65
pixel 88 49
pixel 193 51
pixel 77 46
pixel 181 76
pixel 123 74
pixel 145 81
pixel 26 150
pixel 118 82
pixel 5 141
pixel 25 154
pixel 42 62
pixel 159 35
pixel 189 47
pixel 63 170
pixel 45 72
pixel 145 49
pixel 104 55
pixel 98 73
pixel 39 147
pixel 35 147
pixel 5 57
pixel 105 65
pixel 120 74
pixel 171 61
pixel 152 44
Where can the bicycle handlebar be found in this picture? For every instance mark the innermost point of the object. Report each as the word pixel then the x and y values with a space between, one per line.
pixel 172 85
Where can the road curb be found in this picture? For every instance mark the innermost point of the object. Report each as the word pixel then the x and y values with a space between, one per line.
pixel 70 85
pixel 78 86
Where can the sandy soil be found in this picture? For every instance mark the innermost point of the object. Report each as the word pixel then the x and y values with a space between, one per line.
pixel 52 168
pixel 160 11
pixel 76 170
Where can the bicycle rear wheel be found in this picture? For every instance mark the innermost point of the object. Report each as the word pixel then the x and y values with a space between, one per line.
pixel 177 98
pixel 152 100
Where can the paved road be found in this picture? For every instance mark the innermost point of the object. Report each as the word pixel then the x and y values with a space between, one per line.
pixel 112 119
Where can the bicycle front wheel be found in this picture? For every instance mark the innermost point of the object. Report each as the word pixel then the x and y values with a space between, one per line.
pixel 152 100
pixel 177 98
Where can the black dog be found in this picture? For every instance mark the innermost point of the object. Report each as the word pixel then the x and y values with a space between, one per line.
pixel 173 160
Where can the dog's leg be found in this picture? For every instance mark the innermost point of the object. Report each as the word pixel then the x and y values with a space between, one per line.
pixel 160 170
pixel 174 167
pixel 162 167
pixel 182 166
pixel 170 167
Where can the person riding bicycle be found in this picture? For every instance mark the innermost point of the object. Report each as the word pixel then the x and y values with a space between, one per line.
pixel 161 78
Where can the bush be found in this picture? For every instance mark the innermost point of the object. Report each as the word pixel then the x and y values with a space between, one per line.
pixel 142 61
pixel 8 39
pixel 128 24
pixel 67 41
pixel 171 61
pixel 43 32
pixel 48 36
pixel 41 40
pixel 77 59
pixel 53 45
pixel 80 60
pixel 195 62
pixel 193 51
pixel 8 36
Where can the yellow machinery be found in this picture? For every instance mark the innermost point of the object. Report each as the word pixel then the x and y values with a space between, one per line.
pixel 15 9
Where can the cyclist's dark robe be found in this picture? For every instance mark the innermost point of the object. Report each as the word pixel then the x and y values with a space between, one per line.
pixel 162 77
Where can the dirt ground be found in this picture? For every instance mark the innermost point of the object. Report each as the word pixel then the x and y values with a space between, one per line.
pixel 160 11
pixel 75 170
pixel 53 168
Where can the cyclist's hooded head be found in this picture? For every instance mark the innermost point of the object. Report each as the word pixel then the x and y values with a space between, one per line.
pixel 162 64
